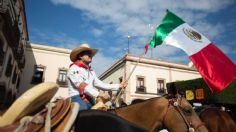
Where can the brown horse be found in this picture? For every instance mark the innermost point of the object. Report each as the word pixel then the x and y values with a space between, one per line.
pixel 217 120
pixel 175 114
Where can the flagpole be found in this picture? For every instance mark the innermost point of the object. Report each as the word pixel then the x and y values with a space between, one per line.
pixel 127 79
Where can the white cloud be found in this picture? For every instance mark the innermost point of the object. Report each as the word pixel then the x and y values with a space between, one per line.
pixel 97 32
pixel 132 16
pixel 209 30
pixel 101 63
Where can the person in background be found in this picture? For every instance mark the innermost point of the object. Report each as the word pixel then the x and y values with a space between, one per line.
pixel 82 79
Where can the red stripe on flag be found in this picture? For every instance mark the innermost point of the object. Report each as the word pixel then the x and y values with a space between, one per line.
pixel 217 70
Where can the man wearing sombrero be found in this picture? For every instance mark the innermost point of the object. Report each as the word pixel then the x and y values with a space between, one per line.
pixel 82 79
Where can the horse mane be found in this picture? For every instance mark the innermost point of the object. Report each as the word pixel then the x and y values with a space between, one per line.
pixel 136 101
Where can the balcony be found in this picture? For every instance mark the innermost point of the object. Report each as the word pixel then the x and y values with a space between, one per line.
pixel 62 83
pixel 18 52
pixel 21 63
pixel 161 91
pixel 3 6
pixel 9 15
pixel 141 89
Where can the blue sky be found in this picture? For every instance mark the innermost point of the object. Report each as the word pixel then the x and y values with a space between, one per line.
pixel 105 24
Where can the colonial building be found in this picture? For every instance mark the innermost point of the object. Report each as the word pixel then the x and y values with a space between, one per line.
pixel 45 64
pixel 13 41
pixel 146 77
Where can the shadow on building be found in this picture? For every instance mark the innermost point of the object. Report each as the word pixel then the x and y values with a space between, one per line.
pixel 13 41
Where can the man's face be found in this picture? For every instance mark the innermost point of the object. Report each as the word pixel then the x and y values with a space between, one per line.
pixel 86 57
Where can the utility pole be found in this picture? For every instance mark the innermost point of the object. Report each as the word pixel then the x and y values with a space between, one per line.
pixel 129 37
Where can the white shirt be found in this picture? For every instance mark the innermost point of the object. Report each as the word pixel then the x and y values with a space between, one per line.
pixel 76 75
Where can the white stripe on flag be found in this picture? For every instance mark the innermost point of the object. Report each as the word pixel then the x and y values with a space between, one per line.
pixel 179 39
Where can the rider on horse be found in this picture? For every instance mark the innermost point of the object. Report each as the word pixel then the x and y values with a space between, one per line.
pixel 82 79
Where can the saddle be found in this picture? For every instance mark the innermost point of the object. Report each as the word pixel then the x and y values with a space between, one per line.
pixel 57 116
pixel 28 113
pixel 28 103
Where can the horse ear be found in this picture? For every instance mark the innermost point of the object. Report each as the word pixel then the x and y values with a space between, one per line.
pixel 180 92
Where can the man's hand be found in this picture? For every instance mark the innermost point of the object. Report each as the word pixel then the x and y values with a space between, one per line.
pixel 104 95
pixel 123 84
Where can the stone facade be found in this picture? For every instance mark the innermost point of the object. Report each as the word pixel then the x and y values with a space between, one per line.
pixel 13 41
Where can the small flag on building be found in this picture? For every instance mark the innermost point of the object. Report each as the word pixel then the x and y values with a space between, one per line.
pixel 146 48
pixel 217 70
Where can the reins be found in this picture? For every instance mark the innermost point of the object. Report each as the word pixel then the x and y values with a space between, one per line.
pixel 174 102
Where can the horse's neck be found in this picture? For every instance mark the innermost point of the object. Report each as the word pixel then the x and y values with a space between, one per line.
pixel 148 114
pixel 142 107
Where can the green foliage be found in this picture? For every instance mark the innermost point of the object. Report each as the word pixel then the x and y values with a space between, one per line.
pixel 227 96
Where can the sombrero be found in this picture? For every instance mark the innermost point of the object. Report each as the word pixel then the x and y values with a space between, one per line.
pixel 83 47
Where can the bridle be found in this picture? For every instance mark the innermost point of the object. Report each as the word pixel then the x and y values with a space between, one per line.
pixel 176 103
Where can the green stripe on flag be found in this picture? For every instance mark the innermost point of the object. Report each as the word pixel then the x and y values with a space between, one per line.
pixel 168 24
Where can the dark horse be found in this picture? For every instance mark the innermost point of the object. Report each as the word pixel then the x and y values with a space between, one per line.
pixel 217 120
pixel 174 114
pixel 102 121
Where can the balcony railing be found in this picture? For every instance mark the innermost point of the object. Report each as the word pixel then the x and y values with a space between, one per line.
pixel 161 91
pixel 62 83
pixel 141 89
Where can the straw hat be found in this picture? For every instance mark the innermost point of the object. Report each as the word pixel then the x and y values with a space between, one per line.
pixel 83 47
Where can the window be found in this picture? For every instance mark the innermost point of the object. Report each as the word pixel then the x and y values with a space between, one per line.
pixel 18 84
pixel 62 80
pixel 14 77
pixel 38 76
pixel 140 88
pixel 2 54
pixel 120 79
pixel 9 67
pixel 160 86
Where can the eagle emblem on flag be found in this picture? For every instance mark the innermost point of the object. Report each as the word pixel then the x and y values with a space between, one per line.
pixel 193 35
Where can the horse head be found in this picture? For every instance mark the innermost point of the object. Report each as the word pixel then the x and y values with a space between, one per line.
pixel 180 116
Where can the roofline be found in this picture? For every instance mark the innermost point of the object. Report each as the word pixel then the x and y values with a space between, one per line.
pixel 145 60
pixel 116 64
pixel 48 48
pixel 160 63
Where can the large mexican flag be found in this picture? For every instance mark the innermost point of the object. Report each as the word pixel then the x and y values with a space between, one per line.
pixel 215 67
